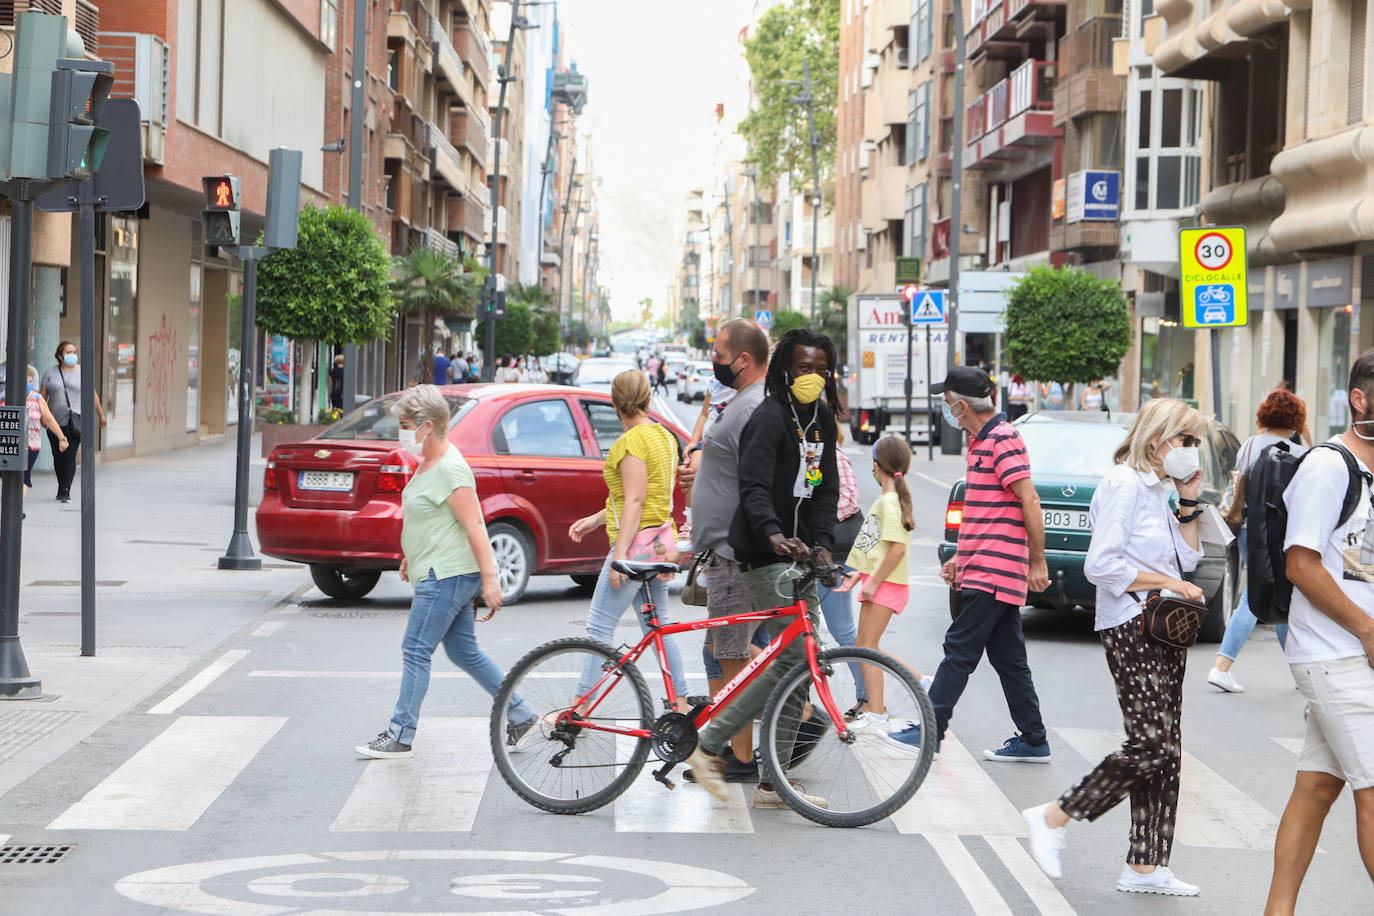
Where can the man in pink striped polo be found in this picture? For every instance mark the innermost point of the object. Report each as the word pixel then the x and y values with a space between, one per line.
pixel 1001 555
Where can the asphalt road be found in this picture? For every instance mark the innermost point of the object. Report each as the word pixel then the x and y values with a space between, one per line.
pixel 236 790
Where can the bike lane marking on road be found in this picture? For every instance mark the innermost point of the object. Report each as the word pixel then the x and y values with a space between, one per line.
pixel 1033 881
pixel 977 888
pixel 204 678
pixel 1211 811
pixel 171 781
pixel 438 789
pixel 648 806
pixel 959 797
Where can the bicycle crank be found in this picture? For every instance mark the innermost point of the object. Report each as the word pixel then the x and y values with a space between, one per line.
pixel 674 737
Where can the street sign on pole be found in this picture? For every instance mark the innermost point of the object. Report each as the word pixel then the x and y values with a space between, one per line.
pixel 764 318
pixel 928 306
pixel 1214 277
pixel 908 271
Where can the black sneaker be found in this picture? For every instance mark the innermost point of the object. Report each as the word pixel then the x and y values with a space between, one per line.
pixel 809 734
pixel 735 769
pixel 515 732
pixel 383 747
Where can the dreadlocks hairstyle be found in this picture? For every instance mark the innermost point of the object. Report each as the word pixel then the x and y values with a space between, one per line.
pixel 775 383
pixel 893 457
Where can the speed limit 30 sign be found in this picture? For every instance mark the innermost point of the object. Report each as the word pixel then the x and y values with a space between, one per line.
pixel 1214 277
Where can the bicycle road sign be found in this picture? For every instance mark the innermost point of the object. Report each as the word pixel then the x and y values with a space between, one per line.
pixel 1214 277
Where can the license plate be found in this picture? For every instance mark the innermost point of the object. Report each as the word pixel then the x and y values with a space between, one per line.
pixel 1066 519
pixel 341 481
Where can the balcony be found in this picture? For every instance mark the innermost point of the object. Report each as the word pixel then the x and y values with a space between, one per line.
pixel 1086 82
pixel 406 21
pixel 468 130
pixel 1083 236
pixel 504 144
pixel 887 16
pixel 448 66
pixel 884 193
pixel 885 107
pixel 1012 117
pixel 475 52
pixel 445 160
pixel 407 139
pixel 825 238
pixel 469 216
pixel 437 241
pixel 997 25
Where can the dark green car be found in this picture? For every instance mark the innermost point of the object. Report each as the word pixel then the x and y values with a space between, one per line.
pixel 1070 451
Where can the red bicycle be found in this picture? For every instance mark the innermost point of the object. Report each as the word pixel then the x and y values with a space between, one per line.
pixel 595 722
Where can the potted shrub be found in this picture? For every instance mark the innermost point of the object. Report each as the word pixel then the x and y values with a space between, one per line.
pixel 279 425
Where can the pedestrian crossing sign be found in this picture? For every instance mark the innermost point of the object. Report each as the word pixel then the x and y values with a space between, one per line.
pixel 928 306
pixel 764 318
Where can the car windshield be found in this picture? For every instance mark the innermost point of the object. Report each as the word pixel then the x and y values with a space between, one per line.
pixel 374 419
pixel 600 372
pixel 1070 449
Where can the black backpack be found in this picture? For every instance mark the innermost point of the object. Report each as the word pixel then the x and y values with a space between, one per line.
pixel 1266 523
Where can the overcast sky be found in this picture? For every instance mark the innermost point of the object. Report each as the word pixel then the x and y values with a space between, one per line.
pixel 655 72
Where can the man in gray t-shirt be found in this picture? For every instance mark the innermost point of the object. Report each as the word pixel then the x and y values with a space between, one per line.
pixel 740 360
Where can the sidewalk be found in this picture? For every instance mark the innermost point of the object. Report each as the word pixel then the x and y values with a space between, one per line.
pixel 162 605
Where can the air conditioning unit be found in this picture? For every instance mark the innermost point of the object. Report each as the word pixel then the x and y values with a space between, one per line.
pixel 903 58
pixel 862 240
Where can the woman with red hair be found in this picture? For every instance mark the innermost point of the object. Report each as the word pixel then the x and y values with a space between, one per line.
pixel 1281 418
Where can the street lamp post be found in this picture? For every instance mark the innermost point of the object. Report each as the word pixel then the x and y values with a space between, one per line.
pixel 729 251
pixel 355 171
pixel 951 439
pixel 807 97
pixel 753 174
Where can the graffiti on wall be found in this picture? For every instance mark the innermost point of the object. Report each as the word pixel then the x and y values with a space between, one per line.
pixel 163 357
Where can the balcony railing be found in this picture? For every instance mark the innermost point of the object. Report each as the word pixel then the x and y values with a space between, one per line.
pixel 475 52
pixel 1032 86
pixel 1089 45
pixel 997 20
pixel 447 64
pixel 448 164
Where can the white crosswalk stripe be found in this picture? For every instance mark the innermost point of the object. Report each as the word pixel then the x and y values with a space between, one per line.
pixel 650 807
pixel 174 778
pixel 438 789
pixel 1211 811
pixel 1291 745
pixel 972 880
pixel 959 797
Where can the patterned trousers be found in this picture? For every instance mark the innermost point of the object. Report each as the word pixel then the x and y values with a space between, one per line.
pixel 1149 687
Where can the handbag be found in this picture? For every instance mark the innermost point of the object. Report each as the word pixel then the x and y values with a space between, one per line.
pixel 71 429
pixel 1233 503
pixel 1171 621
pixel 694 592
pixel 846 533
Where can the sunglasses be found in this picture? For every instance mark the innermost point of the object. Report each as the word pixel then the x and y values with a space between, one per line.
pixel 1189 441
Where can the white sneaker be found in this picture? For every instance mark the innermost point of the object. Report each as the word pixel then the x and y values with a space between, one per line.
pixel 1224 680
pixel 871 723
pixel 926 681
pixel 1159 881
pixel 1046 842
pixel 765 796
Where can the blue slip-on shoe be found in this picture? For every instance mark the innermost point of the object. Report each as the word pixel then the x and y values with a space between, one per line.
pixel 1017 750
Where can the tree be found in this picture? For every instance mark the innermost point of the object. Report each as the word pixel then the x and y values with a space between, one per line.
pixel 545 336
pixel 646 312
pixel 433 284
pixel 515 332
pixel 835 319
pixel 1066 326
pixel 776 128
pixel 331 288
pixel 785 320
pixel 698 335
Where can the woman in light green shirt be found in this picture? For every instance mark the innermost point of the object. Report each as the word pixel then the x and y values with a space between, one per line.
pixel 448 557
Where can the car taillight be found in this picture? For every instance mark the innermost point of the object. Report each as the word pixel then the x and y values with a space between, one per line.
pixel 954 515
pixel 269 476
pixel 864 424
pixel 395 472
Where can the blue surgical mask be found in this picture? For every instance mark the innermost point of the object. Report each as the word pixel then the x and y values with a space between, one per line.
pixel 32 386
pixel 69 359
pixel 950 418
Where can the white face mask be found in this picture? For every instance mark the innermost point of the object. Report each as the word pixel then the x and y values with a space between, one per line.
pixel 409 442
pixel 1182 463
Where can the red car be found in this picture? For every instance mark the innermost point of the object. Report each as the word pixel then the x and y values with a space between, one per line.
pixel 334 502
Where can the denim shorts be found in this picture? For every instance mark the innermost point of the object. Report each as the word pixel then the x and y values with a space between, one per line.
pixel 726 595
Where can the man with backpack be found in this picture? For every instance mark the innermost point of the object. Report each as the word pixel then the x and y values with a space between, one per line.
pixel 1328 568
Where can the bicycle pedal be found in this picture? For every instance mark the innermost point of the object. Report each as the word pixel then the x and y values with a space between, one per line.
pixel 701 701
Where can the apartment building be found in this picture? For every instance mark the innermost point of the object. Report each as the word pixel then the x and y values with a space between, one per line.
pixel 688 283
pixel 1289 119
pixel 510 183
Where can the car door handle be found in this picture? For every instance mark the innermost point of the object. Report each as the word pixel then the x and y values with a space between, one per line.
pixel 527 476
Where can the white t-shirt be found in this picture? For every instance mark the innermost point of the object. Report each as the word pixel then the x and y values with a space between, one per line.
pixel 1314 498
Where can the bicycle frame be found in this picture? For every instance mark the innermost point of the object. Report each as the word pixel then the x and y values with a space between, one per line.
pixel 800 628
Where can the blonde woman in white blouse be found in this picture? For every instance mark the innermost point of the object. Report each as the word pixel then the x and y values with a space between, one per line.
pixel 1138 546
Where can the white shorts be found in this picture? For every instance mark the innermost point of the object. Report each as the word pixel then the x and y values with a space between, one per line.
pixel 1340 720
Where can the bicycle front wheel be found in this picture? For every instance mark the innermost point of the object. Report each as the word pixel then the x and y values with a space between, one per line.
pixel 562 762
pixel 865 777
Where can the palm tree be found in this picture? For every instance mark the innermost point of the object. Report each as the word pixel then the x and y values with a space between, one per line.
pixel 431 284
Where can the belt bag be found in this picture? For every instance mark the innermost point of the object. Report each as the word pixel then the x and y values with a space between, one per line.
pixel 694 592
pixel 1171 621
pixel 846 533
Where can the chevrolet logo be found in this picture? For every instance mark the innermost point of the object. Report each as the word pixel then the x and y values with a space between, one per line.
pixel 323 453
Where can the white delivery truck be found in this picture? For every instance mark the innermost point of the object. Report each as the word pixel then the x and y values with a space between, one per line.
pixel 878 369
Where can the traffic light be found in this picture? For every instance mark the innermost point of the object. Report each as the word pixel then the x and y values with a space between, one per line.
pixel 76 144
pixel 220 218
pixel 283 198
pixel 909 292
pixel 40 41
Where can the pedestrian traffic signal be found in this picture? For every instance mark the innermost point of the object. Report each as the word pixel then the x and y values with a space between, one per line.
pixel 909 292
pixel 76 144
pixel 220 218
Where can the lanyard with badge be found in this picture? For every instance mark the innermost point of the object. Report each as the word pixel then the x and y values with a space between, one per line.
pixel 809 467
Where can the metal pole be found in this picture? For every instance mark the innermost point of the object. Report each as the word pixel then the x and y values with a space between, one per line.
pixel 16 683
pixel 1216 373
pixel 758 241
pixel 240 553
pixel 730 249
pixel 815 141
pixel 356 117
pixel 952 440
pixel 910 333
pixel 86 207
pixel 563 235
pixel 930 404
pixel 503 76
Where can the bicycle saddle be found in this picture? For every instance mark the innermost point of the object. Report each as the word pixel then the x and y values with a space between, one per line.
pixel 643 572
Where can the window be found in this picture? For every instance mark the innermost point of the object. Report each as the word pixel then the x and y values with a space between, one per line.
pixel 1165 171
pixel 329 23
pixel 923 121
pixel 1101 142
pixel 540 429
pixel 914 241
pixel 605 423
pixel 393 70
pixel 912 129
pixel 922 25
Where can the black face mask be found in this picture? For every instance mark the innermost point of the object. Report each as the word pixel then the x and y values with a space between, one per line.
pixel 725 372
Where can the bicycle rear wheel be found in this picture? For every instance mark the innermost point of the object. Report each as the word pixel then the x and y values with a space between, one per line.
pixel 864 779
pixel 566 768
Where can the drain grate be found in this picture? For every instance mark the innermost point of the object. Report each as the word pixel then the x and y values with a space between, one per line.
pixel 33 855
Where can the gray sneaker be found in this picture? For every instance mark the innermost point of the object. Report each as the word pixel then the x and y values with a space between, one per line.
pixel 515 732
pixel 383 747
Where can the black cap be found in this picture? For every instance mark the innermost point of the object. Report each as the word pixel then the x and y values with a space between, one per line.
pixel 970 381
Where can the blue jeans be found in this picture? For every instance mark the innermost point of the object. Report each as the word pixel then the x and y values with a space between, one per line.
pixel 838 610
pixel 609 605
pixel 1243 621
pixel 441 611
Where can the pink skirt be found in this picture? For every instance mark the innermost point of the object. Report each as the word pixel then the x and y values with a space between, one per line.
pixel 890 595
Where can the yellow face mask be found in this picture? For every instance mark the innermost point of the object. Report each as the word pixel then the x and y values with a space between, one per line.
pixel 807 388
